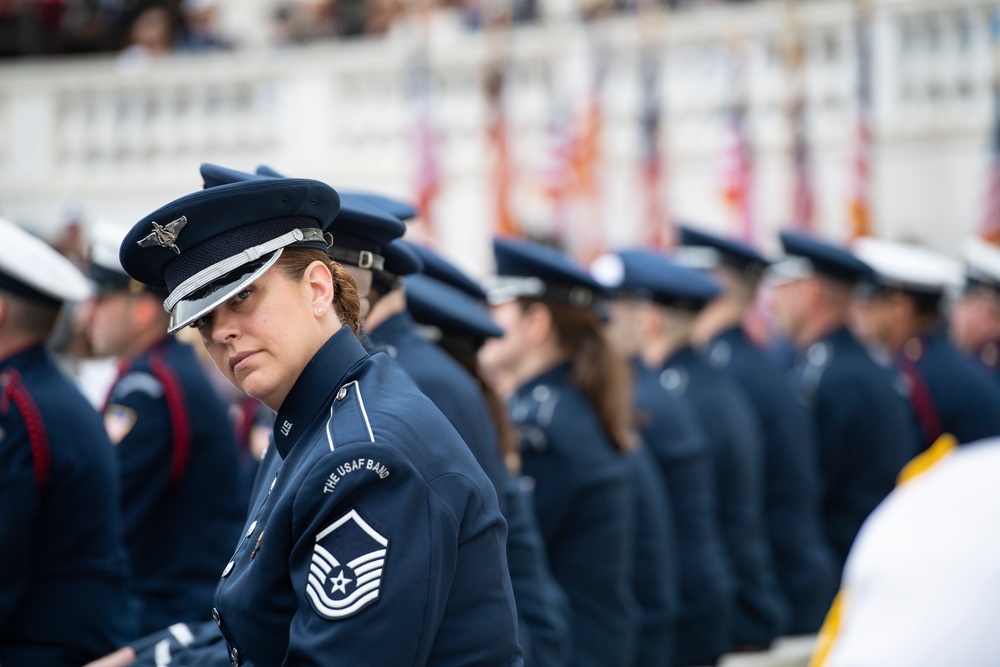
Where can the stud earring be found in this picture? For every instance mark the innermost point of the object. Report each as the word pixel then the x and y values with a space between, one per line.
pixel 319 310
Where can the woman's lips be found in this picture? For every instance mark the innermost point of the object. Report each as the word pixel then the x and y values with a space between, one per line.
pixel 238 360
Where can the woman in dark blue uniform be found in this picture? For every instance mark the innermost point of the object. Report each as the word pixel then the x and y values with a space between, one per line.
pixel 571 403
pixel 379 539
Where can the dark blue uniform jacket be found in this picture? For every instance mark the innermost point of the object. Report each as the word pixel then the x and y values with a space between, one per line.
pixel 675 439
pixel 378 541
pixel 541 604
pixel 654 563
pixel 864 428
pixel 948 392
pixel 803 560
pixel 181 495
pixel 584 506
pixel 733 434
pixel 449 387
pixel 63 572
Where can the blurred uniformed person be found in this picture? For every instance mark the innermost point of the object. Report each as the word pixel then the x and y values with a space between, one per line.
pixel 63 574
pixel 377 539
pixel 456 320
pixel 803 560
pixel 571 404
pixel 655 570
pixel 975 316
pixel 948 392
pixel 861 417
pixel 672 435
pixel 182 498
pixel 672 296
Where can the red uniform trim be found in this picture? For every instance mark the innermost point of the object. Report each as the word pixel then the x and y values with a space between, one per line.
pixel 41 456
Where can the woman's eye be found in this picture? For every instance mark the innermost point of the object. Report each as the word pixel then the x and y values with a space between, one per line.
pixel 243 295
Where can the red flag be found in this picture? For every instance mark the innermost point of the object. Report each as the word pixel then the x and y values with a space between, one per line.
pixel 802 210
pixel 859 207
pixel 989 229
pixel 737 174
pixel 497 132
pixel 655 214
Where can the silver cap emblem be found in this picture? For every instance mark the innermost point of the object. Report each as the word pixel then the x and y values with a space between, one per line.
pixel 165 236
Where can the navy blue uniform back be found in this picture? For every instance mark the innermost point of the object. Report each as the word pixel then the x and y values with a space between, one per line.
pixel 705 583
pixel 864 428
pixel 583 501
pixel 378 541
pixel 63 574
pixel 181 495
pixel 803 560
pixel 948 392
pixel 654 564
pixel 736 451
pixel 449 387
pixel 542 606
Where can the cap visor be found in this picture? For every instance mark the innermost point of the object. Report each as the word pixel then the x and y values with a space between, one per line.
pixel 189 310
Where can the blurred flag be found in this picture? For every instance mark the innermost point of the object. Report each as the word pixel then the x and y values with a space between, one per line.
pixel 737 161
pixel 989 229
pixel 737 174
pixel 428 171
pixel 802 191
pixel 859 206
pixel 655 213
pixel 497 132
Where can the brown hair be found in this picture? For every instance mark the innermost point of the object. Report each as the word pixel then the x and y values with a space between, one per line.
pixel 465 354
pixel 598 369
pixel 293 264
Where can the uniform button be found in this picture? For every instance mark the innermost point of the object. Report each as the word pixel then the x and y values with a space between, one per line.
pixel 342 393
pixel 251 528
pixel 216 617
pixel 234 656
pixel 229 568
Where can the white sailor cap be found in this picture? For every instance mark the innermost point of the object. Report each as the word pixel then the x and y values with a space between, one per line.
pixel 32 269
pixel 908 268
pixel 982 264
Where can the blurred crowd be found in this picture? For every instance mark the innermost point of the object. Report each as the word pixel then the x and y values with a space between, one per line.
pixel 30 28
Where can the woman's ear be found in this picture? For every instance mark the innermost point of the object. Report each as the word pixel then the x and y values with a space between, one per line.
pixel 319 282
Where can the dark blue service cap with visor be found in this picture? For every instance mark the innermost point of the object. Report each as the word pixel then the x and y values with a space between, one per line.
pixel 439 268
pixel 701 250
pixel 806 256
pixel 361 230
pixel 452 311
pixel 395 207
pixel 529 270
pixel 648 276
pixel 206 246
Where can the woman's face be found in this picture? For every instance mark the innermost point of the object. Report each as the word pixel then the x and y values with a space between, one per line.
pixel 263 337
pixel 503 355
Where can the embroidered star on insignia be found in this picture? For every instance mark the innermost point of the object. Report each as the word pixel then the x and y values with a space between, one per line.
pixel 347 546
pixel 165 236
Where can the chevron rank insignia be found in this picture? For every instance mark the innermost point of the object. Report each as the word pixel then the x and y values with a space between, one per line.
pixel 165 236
pixel 346 570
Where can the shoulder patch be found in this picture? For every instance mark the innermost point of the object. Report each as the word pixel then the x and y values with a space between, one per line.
pixel 138 381
pixel 118 421
pixel 347 565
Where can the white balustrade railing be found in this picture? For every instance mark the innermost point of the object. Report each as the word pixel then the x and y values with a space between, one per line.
pixel 121 137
